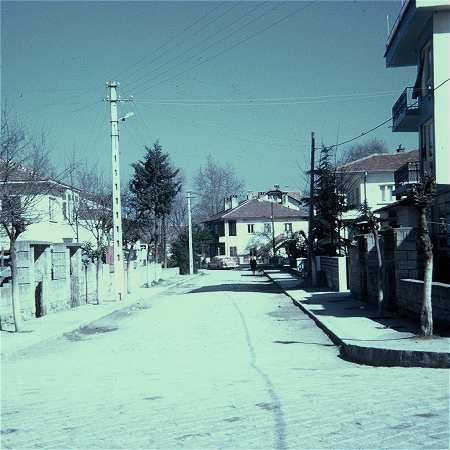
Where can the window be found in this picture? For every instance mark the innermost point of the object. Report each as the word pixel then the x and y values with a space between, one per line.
pixel 427 146
pixel 251 228
pixel 52 209
pixel 288 227
pixel 221 229
pixel 221 248
pixel 267 228
pixel 386 192
pixel 232 228
pixel 233 251
pixel 427 69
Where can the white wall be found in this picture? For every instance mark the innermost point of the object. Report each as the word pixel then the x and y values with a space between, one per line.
pixel 441 72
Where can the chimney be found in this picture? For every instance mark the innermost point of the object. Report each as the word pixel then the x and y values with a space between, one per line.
pixel 234 201
pixel 226 203
pixel 400 149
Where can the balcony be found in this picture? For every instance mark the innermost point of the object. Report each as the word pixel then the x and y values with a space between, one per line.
pixel 405 177
pixel 405 112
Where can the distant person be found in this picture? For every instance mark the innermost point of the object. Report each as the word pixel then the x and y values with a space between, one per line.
pixel 253 265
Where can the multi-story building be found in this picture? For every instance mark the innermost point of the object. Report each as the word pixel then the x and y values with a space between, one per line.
pixel 421 37
pixel 242 228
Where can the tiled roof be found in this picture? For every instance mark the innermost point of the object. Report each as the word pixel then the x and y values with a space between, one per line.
pixel 258 209
pixel 18 173
pixel 380 162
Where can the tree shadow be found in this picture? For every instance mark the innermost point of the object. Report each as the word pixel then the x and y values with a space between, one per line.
pixel 265 287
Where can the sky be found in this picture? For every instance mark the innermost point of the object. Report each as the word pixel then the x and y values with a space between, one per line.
pixel 246 82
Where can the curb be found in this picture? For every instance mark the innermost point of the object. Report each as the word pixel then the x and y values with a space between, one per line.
pixel 84 323
pixel 375 356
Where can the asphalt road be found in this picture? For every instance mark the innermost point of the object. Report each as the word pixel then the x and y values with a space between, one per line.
pixel 224 361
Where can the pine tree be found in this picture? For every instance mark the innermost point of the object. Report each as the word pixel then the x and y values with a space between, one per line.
pixel 153 187
pixel 330 205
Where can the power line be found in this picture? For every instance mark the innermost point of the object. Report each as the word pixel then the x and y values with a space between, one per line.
pixel 266 101
pixel 207 39
pixel 242 41
pixel 166 43
pixel 385 121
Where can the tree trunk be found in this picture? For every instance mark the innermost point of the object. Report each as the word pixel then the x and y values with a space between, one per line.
pixel 164 241
pixel 97 280
pixel 426 315
pixel 15 297
pixel 380 294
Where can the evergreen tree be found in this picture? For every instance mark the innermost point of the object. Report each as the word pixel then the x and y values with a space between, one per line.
pixel 153 187
pixel 329 204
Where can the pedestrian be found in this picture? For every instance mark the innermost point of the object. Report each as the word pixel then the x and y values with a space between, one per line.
pixel 253 265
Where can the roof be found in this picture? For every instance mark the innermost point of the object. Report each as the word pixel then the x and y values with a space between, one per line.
pixel 403 202
pixel 380 162
pixel 258 209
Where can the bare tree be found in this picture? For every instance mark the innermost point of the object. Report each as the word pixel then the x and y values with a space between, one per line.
pixel 422 198
pixel 213 183
pixel 24 182
pixel 362 150
pixel 94 214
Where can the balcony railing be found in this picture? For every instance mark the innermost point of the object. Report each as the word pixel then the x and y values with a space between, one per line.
pixel 406 176
pixel 405 112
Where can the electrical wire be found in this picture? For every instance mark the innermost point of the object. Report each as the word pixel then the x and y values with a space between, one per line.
pixel 169 41
pixel 236 44
pixel 207 39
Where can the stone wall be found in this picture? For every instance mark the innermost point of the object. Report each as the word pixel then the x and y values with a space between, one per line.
pixel 410 295
pixel 335 272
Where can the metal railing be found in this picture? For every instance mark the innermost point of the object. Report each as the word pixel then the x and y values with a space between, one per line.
pixel 405 103
pixel 408 173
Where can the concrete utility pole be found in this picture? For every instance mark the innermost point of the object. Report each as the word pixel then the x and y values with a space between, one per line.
pixel 191 253
pixel 312 265
pixel 117 207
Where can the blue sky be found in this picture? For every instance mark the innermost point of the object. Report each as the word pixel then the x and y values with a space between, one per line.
pixel 246 82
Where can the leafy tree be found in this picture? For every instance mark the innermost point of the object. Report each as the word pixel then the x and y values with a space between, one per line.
pixel 214 183
pixel 153 188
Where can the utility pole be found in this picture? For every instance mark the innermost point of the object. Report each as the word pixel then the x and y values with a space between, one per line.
pixel 312 265
pixel 191 253
pixel 117 208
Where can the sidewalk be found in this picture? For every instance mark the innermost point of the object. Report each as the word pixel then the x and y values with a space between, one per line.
pixel 54 325
pixel 362 336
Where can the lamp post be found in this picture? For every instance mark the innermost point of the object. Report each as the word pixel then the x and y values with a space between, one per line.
pixel 275 192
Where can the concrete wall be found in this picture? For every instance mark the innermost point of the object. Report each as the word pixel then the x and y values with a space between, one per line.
pixel 410 302
pixel 52 278
pixel 335 271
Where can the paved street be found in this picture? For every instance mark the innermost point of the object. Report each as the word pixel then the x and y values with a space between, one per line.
pixel 224 361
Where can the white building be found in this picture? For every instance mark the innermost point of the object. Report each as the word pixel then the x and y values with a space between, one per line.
pixel 421 37
pixel 371 179
pixel 241 227
pixel 49 211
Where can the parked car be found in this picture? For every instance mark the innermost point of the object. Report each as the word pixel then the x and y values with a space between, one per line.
pixel 223 262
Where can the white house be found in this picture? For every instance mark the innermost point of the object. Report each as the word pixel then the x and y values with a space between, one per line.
pixel 242 227
pixel 50 208
pixel 371 179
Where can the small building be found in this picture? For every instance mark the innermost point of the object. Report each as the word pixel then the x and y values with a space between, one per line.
pixel 243 227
